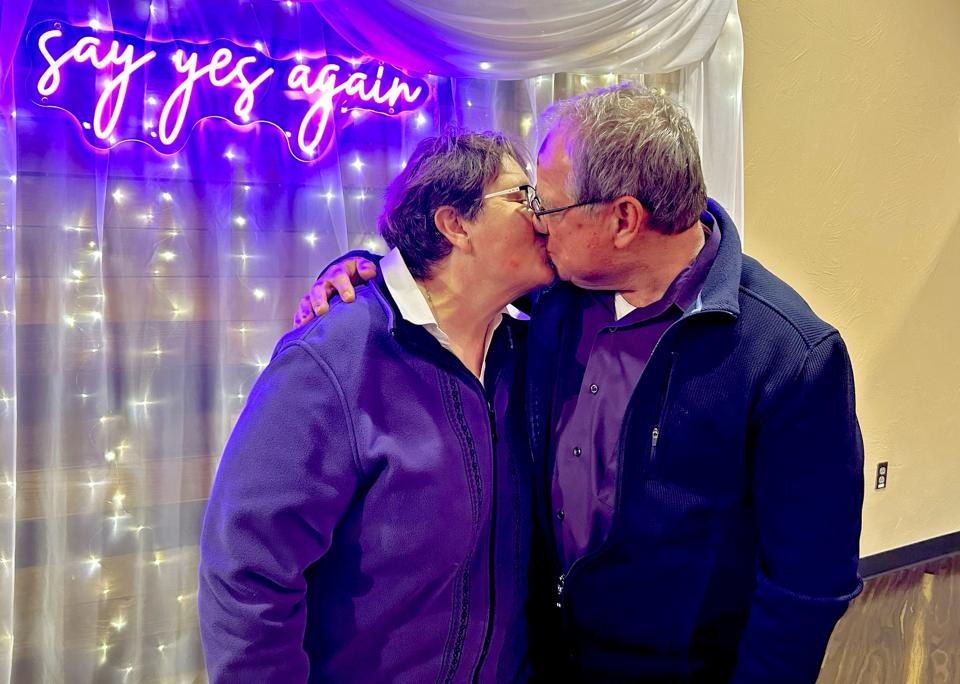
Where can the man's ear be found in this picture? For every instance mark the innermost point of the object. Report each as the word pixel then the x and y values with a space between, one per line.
pixel 630 217
pixel 451 226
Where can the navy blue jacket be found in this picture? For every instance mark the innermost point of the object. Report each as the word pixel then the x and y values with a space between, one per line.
pixel 371 516
pixel 734 545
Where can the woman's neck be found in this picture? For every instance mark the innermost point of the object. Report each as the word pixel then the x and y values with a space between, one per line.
pixel 465 313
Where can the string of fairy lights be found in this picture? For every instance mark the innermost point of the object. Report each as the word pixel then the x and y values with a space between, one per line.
pixel 82 299
pixel 122 579
pixel 8 182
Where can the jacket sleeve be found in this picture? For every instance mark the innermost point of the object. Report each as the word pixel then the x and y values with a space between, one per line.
pixel 807 459
pixel 287 476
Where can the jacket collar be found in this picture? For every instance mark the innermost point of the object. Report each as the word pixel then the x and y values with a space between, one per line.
pixel 721 289
pixel 409 300
pixel 416 334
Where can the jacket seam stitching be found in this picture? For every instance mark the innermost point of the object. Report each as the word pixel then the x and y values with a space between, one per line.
pixel 474 485
pixel 809 343
pixel 341 396
pixel 796 375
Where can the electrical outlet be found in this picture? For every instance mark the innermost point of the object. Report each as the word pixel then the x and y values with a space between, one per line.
pixel 882 475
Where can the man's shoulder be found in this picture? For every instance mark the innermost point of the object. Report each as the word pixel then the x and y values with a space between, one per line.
pixel 768 304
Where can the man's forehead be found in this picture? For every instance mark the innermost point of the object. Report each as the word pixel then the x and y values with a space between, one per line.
pixel 553 164
pixel 553 148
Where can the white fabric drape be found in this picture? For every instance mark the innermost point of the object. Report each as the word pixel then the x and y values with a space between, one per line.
pixel 500 39
pixel 699 39
pixel 141 294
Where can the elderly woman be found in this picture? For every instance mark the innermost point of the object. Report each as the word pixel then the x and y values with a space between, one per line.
pixel 370 518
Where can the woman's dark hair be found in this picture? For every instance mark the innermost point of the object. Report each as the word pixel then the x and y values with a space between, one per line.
pixel 450 169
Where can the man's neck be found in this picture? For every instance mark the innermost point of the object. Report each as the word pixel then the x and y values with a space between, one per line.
pixel 655 261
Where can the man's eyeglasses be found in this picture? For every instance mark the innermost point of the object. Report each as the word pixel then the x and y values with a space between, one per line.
pixel 544 212
pixel 533 202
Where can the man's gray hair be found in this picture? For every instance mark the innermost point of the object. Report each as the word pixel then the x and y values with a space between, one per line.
pixel 630 140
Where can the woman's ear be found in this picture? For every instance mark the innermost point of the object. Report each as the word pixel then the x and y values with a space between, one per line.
pixel 451 226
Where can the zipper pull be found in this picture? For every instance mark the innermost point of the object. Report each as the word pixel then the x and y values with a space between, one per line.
pixel 560 591
pixel 493 421
pixel 655 437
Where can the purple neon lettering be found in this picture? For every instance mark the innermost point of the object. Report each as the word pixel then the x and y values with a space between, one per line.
pixel 325 87
pixel 86 49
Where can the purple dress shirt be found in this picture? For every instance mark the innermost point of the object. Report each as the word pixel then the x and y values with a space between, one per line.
pixel 612 354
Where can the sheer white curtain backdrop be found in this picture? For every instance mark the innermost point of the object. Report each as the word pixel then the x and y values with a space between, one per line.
pixel 141 294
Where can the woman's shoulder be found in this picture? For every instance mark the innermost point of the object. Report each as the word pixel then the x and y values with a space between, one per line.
pixel 346 330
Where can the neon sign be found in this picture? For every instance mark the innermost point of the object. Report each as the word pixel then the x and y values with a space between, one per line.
pixel 126 88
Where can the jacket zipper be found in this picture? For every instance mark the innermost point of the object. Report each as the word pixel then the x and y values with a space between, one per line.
pixel 488 635
pixel 655 434
pixel 564 578
pixel 492 419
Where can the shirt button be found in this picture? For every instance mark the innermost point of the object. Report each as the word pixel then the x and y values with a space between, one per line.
pixel 561 515
pixel 594 389
pixel 577 451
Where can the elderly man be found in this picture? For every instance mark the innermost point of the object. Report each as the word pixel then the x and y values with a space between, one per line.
pixel 698 460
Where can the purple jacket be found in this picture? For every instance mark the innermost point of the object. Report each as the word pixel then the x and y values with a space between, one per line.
pixel 369 522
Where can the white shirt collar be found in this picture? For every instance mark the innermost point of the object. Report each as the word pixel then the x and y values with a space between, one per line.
pixel 404 290
pixel 414 308
pixel 622 306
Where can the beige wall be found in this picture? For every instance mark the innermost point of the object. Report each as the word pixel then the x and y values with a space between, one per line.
pixel 852 164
